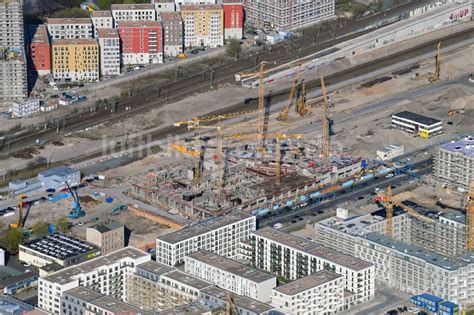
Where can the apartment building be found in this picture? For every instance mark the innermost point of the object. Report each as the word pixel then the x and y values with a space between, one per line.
pixel 101 19
pixel 75 59
pixel 454 163
pixel 203 25
pixel 141 42
pixel 80 301
pixel 132 12
pixel 293 257
pixel 13 63
pixel 423 126
pixel 284 15
pixel 25 108
pixel 172 33
pixel 108 236
pixel 215 297
pixel 233 19
pixel 39 49
pixel 415 270
pixel 58 248
pixel 11 24
pixel 340 232
pixel 164 6
pixel 220 235
pixel 13 77
pixel 70 28
pixel 230 275
pixel 109 46
pixel 104 274
pixel 319 293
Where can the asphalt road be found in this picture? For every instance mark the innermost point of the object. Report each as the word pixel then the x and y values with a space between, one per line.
pixel 347 194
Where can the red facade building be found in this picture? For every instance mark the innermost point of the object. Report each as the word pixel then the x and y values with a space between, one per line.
pixel 141 42
pixel 233 19
pixel 39 49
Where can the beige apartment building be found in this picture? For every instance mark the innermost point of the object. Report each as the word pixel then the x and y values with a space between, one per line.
pixel 109 237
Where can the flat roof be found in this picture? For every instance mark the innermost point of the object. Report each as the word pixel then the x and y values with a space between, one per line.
pixel 168 16
pixel 60 246
pixel 231 266
pixel 428 121
pixel 60 170
pixel 194 308
pixel 239 300
pixel 107 227
pixel 200 7
pixel 122 24
pixel 68 274
pixel 104 301
pixel 136 6
pixel 72 41
pixel 155 267
pixel 465 146
pixel 418 252
pixel 68 21
pixel 101 13
pixel 359 225
pixel 204 227
pixel 107 33
pixel 187 279
pixel 313 248
pixel 308 282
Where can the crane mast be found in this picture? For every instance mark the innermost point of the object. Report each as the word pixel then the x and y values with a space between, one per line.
pixel 325 121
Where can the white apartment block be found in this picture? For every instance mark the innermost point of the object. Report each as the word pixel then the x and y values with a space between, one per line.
pixel 318 293
pixel 293 257
pixel 230 275
pixel 70 28
pixel 105 274
pixel 101 19
pixel 164 6
pixel 133 12
pixel 338 232
pixel 13 77
pixel 109 46
pixel 220 235
pixel 454 163
pixel 287 15
pixel 415 270
pixel 26 108
pixel 203 25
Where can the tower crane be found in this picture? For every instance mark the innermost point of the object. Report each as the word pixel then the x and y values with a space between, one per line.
pixel 278 137
pixel 301 105
pixel 387 198
pixel 231 308
pixel 283 116
pixel 435 76
pixel 194 153
pixel 325 121
pixel 470 217
pixel 19 221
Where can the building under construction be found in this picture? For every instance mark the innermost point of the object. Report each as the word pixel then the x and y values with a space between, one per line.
pixel 244 178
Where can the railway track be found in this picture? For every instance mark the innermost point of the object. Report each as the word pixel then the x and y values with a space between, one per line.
pixel 150 97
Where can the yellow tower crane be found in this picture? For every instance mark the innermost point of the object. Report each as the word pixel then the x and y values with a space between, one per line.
pixel 278 137
pixel 435 76
pixel 325 121
pixel 194 153
pixel 470 217
pixel 283 116
pixel 19 221
pixel 301 105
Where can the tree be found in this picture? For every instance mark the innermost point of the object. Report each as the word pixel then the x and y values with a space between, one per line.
pixel 71 13
pixel 12 240
pixel 233 48
pixel 62 225
pixel 40 229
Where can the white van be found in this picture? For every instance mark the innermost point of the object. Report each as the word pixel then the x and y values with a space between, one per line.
pixel 278 225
